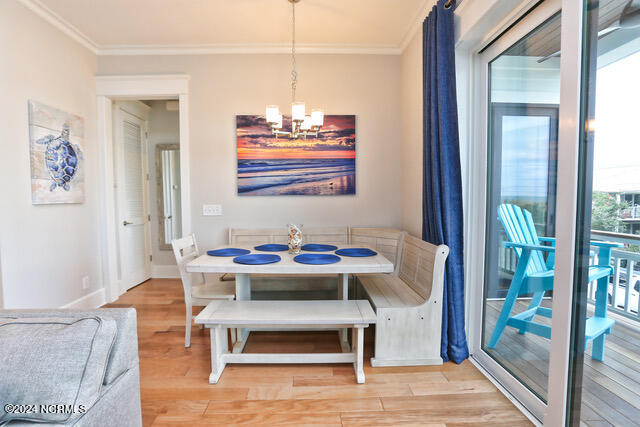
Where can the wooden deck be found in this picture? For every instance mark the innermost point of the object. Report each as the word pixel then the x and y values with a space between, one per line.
pixel 175 388
pixel 611 389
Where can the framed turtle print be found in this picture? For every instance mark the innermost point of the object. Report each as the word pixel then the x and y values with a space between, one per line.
pixel 56 140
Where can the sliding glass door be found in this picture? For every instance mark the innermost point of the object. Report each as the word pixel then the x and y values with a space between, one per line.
pixel 558 194
pixel 605 344
pixel 520 90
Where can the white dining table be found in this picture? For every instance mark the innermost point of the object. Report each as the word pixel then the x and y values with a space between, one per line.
pixel 287 266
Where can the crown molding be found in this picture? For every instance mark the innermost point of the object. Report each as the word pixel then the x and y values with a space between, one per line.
pixel 60 23
pixel 213 49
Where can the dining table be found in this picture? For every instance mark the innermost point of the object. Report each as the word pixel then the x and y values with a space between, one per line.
pixel 287 266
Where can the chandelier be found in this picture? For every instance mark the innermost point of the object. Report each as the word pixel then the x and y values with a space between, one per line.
pixel 302 125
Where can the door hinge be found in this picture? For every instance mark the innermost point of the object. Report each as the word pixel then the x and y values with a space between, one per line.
pixel 150 257
pixel 149 217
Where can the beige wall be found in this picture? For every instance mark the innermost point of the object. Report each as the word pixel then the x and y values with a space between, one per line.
pixel 222 86
pixel 412 136
pixel 45 250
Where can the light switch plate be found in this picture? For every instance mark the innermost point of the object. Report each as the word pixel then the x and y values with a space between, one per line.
pixel 211 210
pixel 85 282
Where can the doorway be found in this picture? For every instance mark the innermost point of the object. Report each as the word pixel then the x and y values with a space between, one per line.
pixel 111 90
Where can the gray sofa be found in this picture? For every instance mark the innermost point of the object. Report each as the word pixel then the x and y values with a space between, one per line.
pixel 64 367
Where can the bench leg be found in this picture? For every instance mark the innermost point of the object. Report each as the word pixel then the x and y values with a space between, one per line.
pixel 357 343
pixel 243 293
pixel 343 294
pixel 218 349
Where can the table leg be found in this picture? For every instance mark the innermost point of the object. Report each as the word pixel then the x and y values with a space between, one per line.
pixel 343 294
pixel 357 342
pixel 243 293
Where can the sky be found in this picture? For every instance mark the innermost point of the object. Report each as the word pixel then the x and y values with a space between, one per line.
pixel 616 138
pixel 337 139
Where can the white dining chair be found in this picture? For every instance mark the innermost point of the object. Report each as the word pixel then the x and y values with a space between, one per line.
pixel 201 294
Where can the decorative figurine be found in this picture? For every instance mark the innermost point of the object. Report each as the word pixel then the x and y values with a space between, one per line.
pixel 295 238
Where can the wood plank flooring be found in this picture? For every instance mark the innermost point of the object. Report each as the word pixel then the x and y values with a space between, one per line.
pixel 175 388
pixel 610 389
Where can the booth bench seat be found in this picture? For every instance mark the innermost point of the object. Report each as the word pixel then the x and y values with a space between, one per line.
pixel 408 306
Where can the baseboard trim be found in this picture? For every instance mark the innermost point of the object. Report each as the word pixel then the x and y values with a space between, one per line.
pixel 405 362
pixel 88 302
pixel 165 272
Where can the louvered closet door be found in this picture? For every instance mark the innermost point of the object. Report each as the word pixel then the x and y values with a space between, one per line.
pixel 133 226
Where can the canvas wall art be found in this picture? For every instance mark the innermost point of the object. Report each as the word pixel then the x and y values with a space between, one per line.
pixel 56 141
pixel 325 165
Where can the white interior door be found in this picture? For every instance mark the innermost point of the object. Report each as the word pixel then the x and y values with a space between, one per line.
pixel 132 206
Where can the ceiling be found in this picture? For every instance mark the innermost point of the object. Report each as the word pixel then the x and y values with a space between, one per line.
pixel 339 24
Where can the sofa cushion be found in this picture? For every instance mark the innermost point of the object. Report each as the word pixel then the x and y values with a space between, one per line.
pixel 53 361
pixel 125 349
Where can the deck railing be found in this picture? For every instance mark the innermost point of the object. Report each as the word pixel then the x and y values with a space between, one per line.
pixel 630 213
pixel 624 295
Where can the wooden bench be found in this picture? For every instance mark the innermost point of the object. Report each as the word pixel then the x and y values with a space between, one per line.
pixel 221 315
pixel 408 305
pixel 387 241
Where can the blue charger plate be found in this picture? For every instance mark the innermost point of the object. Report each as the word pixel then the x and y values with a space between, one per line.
pixel 228 252
pixel 315 247
pixel 257 259
pixel 317 259
pixel 357 252
pixel 272 247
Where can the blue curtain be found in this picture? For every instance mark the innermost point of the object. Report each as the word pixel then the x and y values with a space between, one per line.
pixel 442 184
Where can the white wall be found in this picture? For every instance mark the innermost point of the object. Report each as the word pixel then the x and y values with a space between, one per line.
pixel 46 249
pixel 223 86
pixel 412 136
pixel 164 128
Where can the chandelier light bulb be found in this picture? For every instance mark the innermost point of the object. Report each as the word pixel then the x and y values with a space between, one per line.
pixel 297 111
pixel 272 113
pixel 306 124
pixel 317 117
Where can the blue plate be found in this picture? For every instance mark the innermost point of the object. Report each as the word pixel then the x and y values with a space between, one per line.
pixel 228 252
pixel 317 259
pixel 314 247
pixel 257 259
pixel 272 247
pixel 356 252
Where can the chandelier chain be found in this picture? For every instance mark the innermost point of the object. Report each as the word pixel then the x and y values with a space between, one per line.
pixel 294 72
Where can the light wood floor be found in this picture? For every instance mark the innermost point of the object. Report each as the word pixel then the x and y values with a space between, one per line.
pixel 175 388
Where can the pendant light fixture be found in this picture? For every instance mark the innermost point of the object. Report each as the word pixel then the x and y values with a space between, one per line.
pixel 302 125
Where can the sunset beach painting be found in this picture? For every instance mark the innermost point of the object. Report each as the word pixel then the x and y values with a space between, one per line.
pixel 322 166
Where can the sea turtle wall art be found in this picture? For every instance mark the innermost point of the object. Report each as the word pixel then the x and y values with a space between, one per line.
pixel 56 146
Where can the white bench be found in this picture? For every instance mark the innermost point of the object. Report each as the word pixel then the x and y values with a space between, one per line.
pixel 221 315
pixel 408 305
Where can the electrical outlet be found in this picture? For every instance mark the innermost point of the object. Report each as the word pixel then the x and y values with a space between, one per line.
pixel 85 282
pixel 211 210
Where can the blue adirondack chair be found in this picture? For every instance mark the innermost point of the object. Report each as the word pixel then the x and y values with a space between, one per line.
pixel 534 275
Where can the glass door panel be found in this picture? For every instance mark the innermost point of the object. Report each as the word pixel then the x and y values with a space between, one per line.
pixel 524 92
pixel 605 382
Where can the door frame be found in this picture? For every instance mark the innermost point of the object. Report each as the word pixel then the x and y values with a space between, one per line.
pixel 124 111
pixel 134 87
